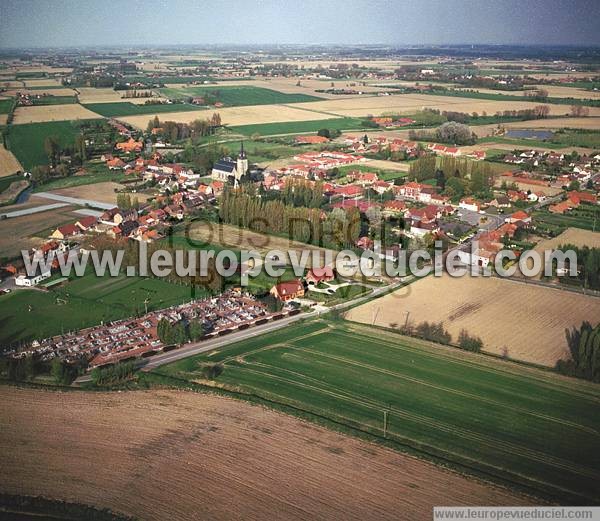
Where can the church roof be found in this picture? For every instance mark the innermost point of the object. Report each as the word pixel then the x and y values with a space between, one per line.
pixel 225 165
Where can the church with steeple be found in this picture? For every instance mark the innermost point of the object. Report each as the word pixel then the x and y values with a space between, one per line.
pixel 229 170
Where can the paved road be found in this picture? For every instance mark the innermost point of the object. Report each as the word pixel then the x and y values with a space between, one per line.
pixel 147 364
pixel 75 200
pixel 35 209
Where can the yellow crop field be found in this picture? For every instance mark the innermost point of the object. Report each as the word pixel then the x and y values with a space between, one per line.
pixel 514 319
pixel 236 115
pixel 409 103
pixel 41 113
pixel 8 162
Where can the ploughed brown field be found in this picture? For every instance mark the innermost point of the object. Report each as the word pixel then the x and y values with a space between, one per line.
pixel 514 319
pixel 177 455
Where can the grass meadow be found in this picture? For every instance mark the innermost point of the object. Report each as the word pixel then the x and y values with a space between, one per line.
pixel 122 109
pixel 233 96
pixel 26 141
pixel 82 302
pixel 520 426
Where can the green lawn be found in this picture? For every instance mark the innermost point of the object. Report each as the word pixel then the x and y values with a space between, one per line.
pixel 234 96
pixel 520 426
pixel 386 175
pixel 122 109
pixel 27 141
pixel 29 314
pixel 298 127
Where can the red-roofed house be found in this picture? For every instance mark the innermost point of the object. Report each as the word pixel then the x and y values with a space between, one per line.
pixel 288 290
pixel 316 275
pixel 63 232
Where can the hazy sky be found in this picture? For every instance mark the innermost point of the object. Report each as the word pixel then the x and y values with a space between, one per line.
pixel 53 23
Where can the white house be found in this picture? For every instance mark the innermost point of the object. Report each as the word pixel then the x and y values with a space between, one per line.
pixel 23 280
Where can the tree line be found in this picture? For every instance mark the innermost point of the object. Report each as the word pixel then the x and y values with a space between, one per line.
pixel 175 131
pixel 584 347
pixel 339 229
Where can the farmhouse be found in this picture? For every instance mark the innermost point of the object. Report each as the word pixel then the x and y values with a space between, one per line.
pixel 317 275
pixel 65 231
pixel 285 291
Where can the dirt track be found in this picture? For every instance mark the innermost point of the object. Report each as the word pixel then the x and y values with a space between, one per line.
pixel 176 455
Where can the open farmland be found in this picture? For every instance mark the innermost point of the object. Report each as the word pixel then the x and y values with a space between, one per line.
pixel 409 103
pixel 249 115
pixel 588 123
pixel 497 419
pixel 44 113
pixel 26 142
pixel 108 95
pixel 574 236
pixel 8 162
pixel 29 230
pixel 82 302
pixel 103 192
pixel 514 319
pixel 223 459
pixel 126 108
pixel 237 96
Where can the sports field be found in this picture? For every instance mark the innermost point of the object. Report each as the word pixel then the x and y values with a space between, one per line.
pixel 26 142
pixel 521 426
pixel 82 302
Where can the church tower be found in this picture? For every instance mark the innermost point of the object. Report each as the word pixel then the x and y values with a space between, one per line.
pixel 241 165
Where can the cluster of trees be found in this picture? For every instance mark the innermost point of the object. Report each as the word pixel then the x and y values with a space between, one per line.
pixel 212 283
pixel 134 93
pixel 113 374
pixel 341 228
pixel 432 331
pixel 180 332
pixel 589 265
pixel 126 202
pixel 584 346
pixel 579 111
pixel 62 372
pixel 451 132
pixel 28 367
pixel 60 159
pixel 454 177
pixel 468 342
pixel 198 128
pixel 300 192
pixel 212 371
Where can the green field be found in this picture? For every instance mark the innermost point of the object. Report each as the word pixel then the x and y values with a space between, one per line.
pixel 122 109
pixel 239 96
pixel 55 100
pixel 27 314
pixel 299 127
pixel 524 427
pixel 586 217
pixel 6 105
pixel 385 175
pixel 26 142
pixel 561 139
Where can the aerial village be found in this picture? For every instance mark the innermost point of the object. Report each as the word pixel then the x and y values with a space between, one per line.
pixel 419 212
